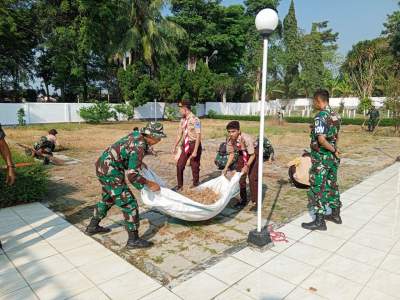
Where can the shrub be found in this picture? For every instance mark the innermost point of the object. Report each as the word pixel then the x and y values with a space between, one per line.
pixel 21 117
pixel 125 109
pixel 30 186
pixel 307 120
pixel 211 114
pixel 171 113
pixel 96 113
pixel 364 105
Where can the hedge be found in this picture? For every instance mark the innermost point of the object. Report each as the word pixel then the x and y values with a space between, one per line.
pixel 308 120
pixel 30 185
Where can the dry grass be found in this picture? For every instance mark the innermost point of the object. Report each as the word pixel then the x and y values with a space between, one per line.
pixel 203 196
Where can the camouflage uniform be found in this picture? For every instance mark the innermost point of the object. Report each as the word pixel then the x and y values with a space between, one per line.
pixel 323 173
pixel 123 158
pixel 373 117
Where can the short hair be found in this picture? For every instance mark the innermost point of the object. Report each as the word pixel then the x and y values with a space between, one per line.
pixel 185 103
pixel 53 132
pixel 233 125
pixel 322 94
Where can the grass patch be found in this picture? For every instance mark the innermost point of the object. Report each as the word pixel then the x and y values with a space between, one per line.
pixel 30 185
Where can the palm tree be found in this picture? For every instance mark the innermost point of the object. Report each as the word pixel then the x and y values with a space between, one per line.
pixel 150 35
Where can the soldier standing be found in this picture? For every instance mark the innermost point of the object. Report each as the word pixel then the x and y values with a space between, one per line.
pixel 325 162
pixel 6 155
pixel 247 161
pixel 125 155
pixel 373 117
pixel 189 134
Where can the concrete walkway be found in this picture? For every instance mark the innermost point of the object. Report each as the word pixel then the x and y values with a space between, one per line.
pixel 47 258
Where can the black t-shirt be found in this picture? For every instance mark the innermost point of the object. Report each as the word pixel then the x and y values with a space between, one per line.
pixel 2 133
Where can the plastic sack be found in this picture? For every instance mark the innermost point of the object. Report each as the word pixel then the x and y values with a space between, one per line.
pixel 181 207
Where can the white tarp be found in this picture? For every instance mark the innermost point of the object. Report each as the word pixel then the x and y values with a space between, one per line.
pixel 181 207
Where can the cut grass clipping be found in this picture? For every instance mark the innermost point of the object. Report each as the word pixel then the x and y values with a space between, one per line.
pixel 204 196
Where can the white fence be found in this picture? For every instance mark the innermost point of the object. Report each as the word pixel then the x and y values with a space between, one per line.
pixel 68 112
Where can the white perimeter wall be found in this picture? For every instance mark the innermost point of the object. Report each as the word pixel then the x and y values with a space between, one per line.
pixel 68 112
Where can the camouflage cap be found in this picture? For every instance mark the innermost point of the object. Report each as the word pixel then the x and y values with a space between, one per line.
pixel 154 129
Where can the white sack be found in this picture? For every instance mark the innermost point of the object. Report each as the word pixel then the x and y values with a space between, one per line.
pixel 181 207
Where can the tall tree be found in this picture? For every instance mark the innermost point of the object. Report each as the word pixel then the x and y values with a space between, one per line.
pixel 292 43
pixel 18 37
pixel 364 65
pixel 392 31
pixel 150 35
pixel 312 75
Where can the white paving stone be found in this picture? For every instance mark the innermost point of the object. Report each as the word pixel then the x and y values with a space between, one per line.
pixel 62 286
pixel 370 294
pixel 302 294
pixel 307 254
pixel 362 254
pixel 105 269
pixel 21 294
pixel 331 286
pixel 91 294
pixel 323 241
pixel 288 269
pixel 132 285
pixel 161 294
pixel 261 285
pixel 253 257
pixel 202 286
pixel 230 270
pixel 295 232
pixel 32 253
pixel 11 281
pixel 70 241
pixel 385 282
pixel 45 268
pixel 374 241
pixel 86 254
pixel 349 269
pixel 340 231
pixel 231 294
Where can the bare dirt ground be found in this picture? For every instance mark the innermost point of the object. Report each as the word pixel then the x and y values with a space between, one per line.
pixel 182 248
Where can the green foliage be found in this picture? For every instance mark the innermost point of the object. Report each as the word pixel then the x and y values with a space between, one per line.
pixel 30 186
pixel 97 113
pixel 171 113
pixel 21 117
pixel 125 109
pixel 392 30
pixel 364 105
pixel 211 114
pixel 306 120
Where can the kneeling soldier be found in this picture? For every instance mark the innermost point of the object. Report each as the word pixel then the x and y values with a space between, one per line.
pixel 125 155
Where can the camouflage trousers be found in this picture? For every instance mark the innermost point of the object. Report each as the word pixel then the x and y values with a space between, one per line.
pixel 324 189
pixel 115 191
pixel 372 122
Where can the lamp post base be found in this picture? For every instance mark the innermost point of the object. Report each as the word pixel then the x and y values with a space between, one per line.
pixel 259 239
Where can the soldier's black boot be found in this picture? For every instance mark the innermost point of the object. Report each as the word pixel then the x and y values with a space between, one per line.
pixel 334 216
pixel 134 242
pixel 94 227
pixel 317 224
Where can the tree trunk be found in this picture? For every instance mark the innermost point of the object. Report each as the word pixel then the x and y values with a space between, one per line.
pixel 46 85
pixel 224 96
pixel 192 62
pixel 85 82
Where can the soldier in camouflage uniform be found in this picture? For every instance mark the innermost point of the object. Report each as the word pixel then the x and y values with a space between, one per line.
pixel 373 114
pixel 125 156
pixel 325 162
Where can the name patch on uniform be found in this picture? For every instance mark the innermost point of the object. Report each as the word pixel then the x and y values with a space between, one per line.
pixel 319 126
pixel 197 124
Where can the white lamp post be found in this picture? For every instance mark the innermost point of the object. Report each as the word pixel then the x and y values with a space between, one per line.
pixel 266 22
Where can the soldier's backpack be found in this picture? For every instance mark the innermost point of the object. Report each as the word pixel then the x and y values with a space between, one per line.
pixel 222 158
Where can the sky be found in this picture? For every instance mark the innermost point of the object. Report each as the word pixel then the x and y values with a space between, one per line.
pixel 355 20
